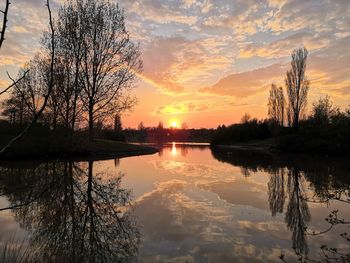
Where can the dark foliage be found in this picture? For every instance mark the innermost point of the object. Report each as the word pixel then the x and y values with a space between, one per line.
pixel 243 132
pixel 324 135
pixel 110 134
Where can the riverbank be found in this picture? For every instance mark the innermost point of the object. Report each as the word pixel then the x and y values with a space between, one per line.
pixel 290 144
pixel 40 148
pixel 266 146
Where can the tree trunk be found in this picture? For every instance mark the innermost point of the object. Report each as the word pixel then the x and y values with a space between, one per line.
pixel 296 121
pixel 91 125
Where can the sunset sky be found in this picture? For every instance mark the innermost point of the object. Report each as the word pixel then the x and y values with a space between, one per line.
pixel 207 62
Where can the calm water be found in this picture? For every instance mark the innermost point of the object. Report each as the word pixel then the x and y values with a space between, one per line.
pixel 185 204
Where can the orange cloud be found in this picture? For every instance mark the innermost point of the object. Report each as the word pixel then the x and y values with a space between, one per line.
pixel 245 84
pixel 195 106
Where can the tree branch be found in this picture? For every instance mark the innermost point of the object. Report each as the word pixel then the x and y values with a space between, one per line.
pixel 49 90
pixel 4 23
pixel 14 82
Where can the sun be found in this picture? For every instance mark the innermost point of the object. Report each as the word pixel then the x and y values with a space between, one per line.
pixel 174 124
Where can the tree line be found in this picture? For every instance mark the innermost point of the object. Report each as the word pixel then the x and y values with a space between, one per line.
pixel 82 73
pixel 325 128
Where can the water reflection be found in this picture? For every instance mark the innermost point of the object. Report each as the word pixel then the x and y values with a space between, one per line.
pixel 297 214
pixel 330 179
pixel 71 213
pixel 173 149
pixel 192 206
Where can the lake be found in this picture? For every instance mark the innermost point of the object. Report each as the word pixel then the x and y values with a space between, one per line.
pixel 185 204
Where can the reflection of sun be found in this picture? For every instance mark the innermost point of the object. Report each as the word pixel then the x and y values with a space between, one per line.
pixel 173 149
pixel 174 124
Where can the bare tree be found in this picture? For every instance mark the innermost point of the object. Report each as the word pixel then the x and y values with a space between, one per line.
pixel 15 108
pixel 49 87
pixel 32 86
pixel 69 53
pixel 246 118
pixel 297 86
pixel 110 62
pixel 276 105
pixel 2 39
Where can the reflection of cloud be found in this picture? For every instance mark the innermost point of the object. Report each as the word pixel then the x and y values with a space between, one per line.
pixel 182 222
pixel 239 192
pixel 193 170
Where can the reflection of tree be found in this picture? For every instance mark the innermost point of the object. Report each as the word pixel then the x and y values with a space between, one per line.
pixel 297 214
pixel 184 151
pixel 83 217
pixel 328 178
pixel 276 188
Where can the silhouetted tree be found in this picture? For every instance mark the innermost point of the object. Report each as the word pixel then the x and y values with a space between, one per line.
pixel 276 105
pixel 69 41
pixel 160 126
pixel 246 118
pixel 15 107
pixel 110 61
pixel 141 126
pixel 50 83
pixel 118 123
pixel 297 86
pixel 323 110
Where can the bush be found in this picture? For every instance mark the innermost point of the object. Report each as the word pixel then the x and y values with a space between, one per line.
pixel 109 134
pixel 243 132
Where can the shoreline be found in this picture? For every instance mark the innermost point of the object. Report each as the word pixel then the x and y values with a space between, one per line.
pixel 97 150
pixel 269 149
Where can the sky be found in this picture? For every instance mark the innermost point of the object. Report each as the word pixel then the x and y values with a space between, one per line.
pixel 208 62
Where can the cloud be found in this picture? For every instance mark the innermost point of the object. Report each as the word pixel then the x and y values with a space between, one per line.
pixel 318 16
pixel 175 65
pixel 162 12
pixel 329 67
pixel 242 17
pixel 245 84
pixel 283 47
pixel 196 106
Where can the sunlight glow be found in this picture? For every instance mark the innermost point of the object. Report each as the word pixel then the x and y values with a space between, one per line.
pixel 174 124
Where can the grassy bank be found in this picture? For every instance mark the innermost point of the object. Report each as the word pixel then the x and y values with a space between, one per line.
pixel 42 143
pixel 32 147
